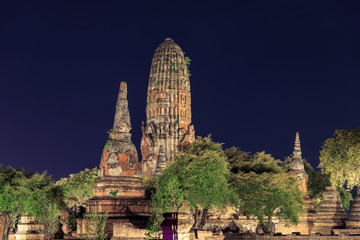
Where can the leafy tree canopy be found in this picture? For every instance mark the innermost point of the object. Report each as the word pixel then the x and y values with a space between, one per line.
pixel 264 188
pixel 78 188
pixel 340 158
pixel 13 198
pixel 45 202
pixel 197 178
pixel 33 194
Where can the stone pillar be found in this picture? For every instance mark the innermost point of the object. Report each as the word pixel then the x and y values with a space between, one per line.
pixel 331 214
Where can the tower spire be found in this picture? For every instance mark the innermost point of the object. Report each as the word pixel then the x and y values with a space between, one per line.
pixel 297 147
pixel 297 162
pixel 122 124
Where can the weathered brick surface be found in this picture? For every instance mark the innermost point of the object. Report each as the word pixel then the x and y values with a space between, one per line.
pixel 331 214
pixel 168 113
pixel 26 229
pixel 126 187
pixel 289 237
pixel 353 221
pixel 119 157
pixel 128 231
pixel 118 189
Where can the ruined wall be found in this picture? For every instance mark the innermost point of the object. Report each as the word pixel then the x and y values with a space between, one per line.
pixel 289 237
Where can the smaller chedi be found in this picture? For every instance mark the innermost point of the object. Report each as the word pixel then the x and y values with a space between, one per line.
pixel 353 221
pixel 308 216
pixel 118 190
pixel 331 215
pixel 119 157
pixel 119 160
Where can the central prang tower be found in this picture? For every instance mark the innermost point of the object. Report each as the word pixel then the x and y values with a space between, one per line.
pixel 168 110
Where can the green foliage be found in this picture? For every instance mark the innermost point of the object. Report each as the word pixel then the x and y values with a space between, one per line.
pixel 265 190
pixel 158 100
pixel 340 158
pixel 32 194
pixel 107 144
pixel 187 61
pixel 193 179
pixel 153 227
pixel 13 197
pixel 45 202
pixel 71 220
pixel 345 197
pixel 78 188
pixel 114 193
pixel 316 184
pixel 149 185
pixel 95 223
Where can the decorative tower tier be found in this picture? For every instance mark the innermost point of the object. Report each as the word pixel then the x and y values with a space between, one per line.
pixel 331 214
pixel 168 111
pixel 353 221
pixel 308 216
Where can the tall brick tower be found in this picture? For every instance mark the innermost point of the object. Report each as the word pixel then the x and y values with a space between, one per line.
pixel 308 216
pixel 168 111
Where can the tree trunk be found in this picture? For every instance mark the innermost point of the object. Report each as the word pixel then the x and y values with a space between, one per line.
pixel 6 231
pixel 203 218
pixel 196 218
pixel 270 226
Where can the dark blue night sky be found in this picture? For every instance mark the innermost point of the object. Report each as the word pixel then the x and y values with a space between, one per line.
pixel 261 70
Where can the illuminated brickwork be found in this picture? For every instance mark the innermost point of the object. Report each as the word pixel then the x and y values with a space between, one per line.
pixel 308 216
pixel 168 112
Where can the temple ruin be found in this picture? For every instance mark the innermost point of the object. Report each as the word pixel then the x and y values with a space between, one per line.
pixel 118 189
pixel 307 218
pixel 168 110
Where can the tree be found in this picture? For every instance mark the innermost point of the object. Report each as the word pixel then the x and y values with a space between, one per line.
pixel 45 202
pixel 31 194
pixel 12 197
pixel 95 223
pixel 264 188
pixel 340 158
pixel 198 178
pixel 78 188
